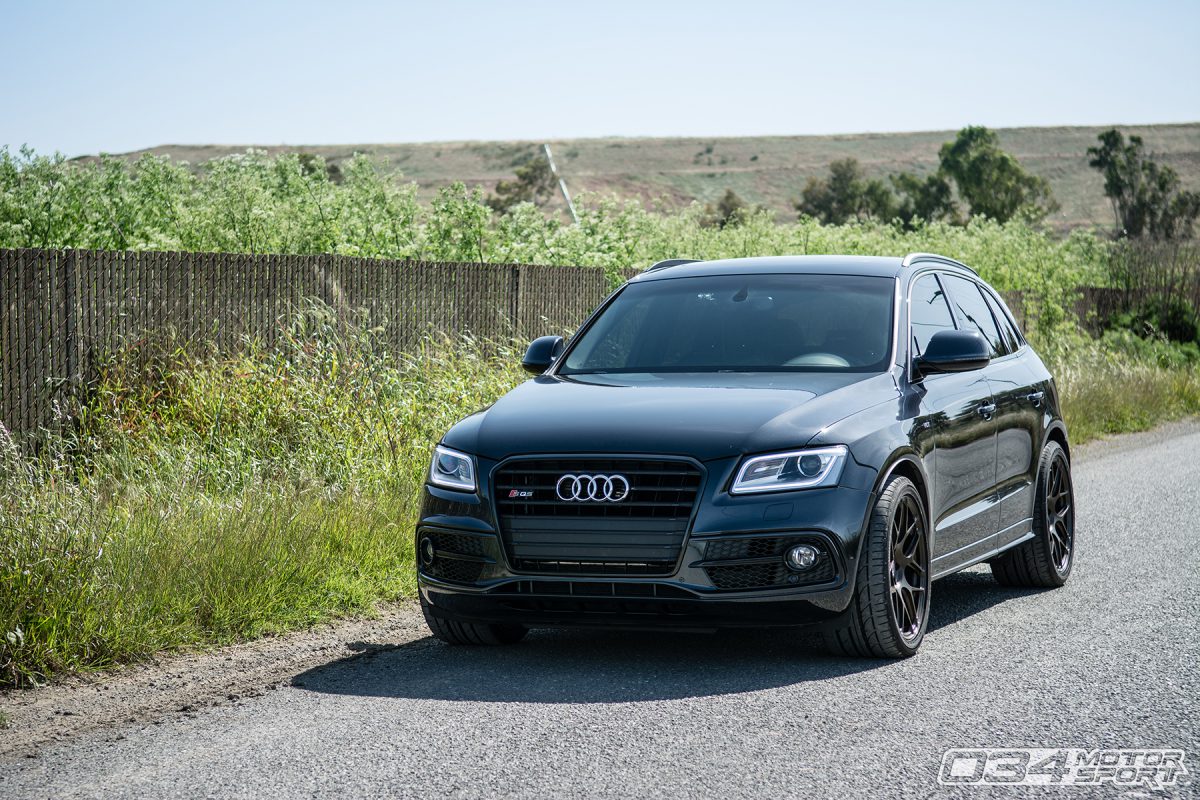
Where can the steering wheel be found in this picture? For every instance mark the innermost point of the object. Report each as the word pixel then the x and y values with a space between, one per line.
pixel 817 360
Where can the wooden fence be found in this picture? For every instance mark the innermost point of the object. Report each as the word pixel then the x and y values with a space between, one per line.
pixel 63 312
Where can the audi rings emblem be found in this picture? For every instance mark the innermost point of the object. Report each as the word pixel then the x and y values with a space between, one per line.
pixel 592 488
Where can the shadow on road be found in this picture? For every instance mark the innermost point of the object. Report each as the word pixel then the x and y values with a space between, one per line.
pixel 584 666
pixel 964 594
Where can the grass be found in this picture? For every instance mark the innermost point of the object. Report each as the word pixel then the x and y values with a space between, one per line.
pixel 1105 390
pixel 204 500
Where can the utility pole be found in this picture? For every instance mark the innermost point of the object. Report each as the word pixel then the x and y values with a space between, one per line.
pixel 561 185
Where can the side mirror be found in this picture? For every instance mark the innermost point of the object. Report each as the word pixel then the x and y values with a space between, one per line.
pixel 955 351
pixel 541 354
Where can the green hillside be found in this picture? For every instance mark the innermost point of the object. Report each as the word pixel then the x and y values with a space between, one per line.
pixel 770 170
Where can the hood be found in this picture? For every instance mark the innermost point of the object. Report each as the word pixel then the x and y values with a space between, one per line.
pixel 705 416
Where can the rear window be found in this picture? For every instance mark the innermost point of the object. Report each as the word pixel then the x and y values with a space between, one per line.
pixel 973 309
pixel 1007 329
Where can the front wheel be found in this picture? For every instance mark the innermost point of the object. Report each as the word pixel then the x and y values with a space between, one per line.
pixel 1045 561
pixel 471 633
pixel 890 610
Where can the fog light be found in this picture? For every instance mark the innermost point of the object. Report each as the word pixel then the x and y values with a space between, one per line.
pixel 427 551
pixel 801 557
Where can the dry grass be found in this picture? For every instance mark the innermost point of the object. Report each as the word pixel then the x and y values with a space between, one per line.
pixel 1105 392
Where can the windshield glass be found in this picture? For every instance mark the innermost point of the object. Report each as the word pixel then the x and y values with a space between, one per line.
pixel 741 323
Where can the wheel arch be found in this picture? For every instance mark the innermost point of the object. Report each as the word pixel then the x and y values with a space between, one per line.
pixel 1057 432
pixel 904 462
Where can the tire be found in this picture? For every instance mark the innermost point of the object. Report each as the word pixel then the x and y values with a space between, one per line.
pixel 1045 561
pixel 471 633
pixel 880 623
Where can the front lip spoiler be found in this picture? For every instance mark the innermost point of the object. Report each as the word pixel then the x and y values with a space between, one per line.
pixel 703 594
pixel 678 613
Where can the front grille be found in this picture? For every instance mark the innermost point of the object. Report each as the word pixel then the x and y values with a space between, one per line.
pixel 594 589
pixel 757 563
pixel 641 534
pixel 602 598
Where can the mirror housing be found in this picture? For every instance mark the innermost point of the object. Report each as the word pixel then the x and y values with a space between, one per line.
pixel 542 353
pixel 955 351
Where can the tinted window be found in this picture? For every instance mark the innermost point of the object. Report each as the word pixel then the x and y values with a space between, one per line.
pixel 973 309
pixel 743 323
pixel 929 310
pixel 1009 331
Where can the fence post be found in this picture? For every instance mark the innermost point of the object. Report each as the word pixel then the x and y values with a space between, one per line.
pixel 71 324
pixel 515 303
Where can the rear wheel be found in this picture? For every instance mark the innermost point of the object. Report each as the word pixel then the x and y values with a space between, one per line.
pixel 890 610
pixel 472 633
pixel 1045 560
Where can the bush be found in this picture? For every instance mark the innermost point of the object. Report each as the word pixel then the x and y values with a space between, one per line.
pixel 1172 318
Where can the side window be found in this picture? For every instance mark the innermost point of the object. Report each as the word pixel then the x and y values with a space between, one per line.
pixel 928 310
pixel 1007 329
pixel 968 299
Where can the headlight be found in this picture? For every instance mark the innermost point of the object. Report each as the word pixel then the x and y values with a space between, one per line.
pixel 799 469
pixel 452 470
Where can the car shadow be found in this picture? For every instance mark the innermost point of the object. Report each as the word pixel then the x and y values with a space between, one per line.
pixel 964 594
pixel 605 666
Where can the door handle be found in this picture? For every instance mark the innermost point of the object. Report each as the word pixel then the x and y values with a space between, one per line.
pixel 986 410
pixel 1035 397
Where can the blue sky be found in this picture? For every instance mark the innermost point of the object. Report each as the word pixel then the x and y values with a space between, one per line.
pixel 82 77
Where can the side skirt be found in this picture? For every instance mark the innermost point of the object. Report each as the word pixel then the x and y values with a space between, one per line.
pixel 987 555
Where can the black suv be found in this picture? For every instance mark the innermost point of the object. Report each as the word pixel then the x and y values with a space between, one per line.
pixel 755 442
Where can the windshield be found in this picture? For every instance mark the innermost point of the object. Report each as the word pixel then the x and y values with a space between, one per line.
pixel 741 323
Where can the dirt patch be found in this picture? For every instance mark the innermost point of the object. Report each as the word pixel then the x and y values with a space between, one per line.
pixel 184 683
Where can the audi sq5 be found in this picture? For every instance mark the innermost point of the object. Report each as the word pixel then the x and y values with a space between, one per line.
pixel 777 441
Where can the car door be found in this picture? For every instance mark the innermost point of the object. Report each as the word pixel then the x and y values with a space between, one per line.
pixel 953 433
pixel 1019 388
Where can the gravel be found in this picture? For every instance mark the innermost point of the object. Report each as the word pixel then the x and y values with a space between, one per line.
pixel 378 709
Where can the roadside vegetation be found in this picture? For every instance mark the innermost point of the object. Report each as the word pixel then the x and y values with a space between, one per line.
pixel 204 499
pixel 200 497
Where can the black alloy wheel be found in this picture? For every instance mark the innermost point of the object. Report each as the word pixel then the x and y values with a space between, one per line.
pixel 909 568
pixel 889 614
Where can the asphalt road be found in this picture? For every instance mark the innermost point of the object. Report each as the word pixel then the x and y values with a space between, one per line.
pixel 1109 661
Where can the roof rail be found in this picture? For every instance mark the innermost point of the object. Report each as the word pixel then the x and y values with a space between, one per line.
pixel 670 262
pixel 913 258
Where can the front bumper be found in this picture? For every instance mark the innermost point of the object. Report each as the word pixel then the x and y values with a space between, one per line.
pixel 471 578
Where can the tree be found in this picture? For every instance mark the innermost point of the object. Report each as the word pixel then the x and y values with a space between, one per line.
pixel 535 183
pixel 731 209
pixel 1146 197
pixel 992 182
pixel 847 194
pixel 930 200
